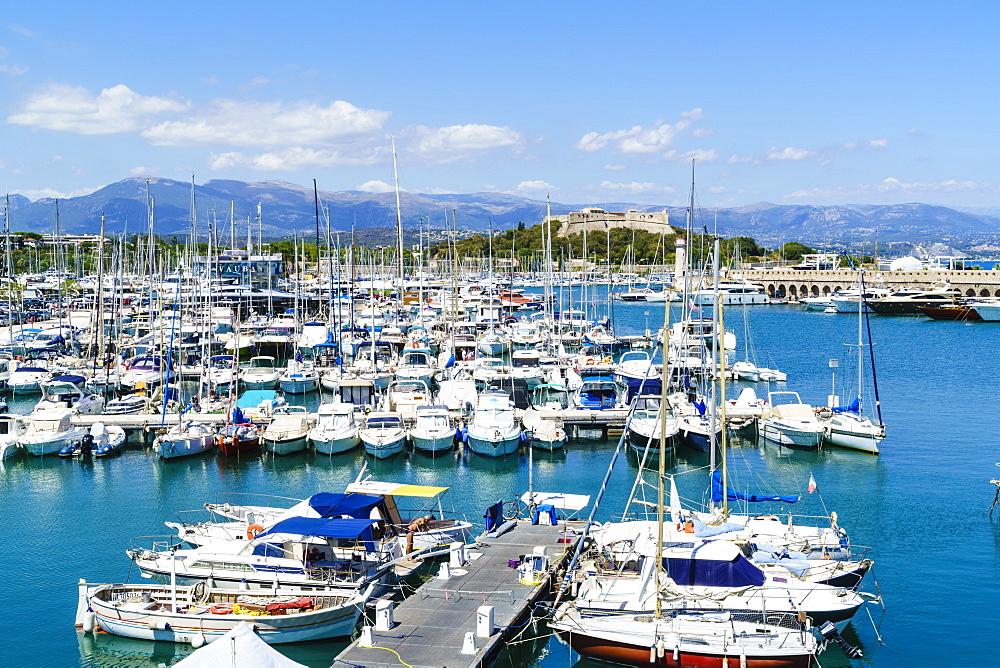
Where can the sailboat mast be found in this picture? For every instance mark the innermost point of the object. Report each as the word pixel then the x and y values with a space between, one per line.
pixel 399 224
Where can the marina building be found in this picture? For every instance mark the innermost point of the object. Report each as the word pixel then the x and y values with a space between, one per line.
pixel 593 219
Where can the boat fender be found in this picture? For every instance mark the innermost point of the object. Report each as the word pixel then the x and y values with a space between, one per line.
pixel 89 619
pixel 221 609
pixel 159 625
pixel 198 640
pixel 661 649
pixel 677 654
pixel 253 531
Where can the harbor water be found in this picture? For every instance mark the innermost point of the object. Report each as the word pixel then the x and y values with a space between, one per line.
pixel 921 505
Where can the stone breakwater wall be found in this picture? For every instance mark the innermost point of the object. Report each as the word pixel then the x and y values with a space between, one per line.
pixel 793 283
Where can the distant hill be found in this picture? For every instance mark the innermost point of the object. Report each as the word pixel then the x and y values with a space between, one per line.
pixel 286 207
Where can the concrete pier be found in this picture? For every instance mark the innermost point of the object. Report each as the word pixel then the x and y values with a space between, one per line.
pixel 466 619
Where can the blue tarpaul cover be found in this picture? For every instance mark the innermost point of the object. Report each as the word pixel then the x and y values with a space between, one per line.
pixel 702 530
pixel 545 508
pixel 853 408
pixel 76 380
pixel 322 527
pixel 31 369
pixel 716 482
pixel 358 506
pixel 494 515
pixel 648 385
pixel 700 407
pixel 692 572
pixel 329 343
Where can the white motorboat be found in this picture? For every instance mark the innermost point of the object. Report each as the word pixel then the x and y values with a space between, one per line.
pixel 646 424
pixel 404 396
pixel 791 422
pixel 383 434
pixel 416 364
pixel 186 438
pixel 493 431
pixel 198 614
pixel 146 371
pixel 130 403
pixel 548 432
pixel 65 392
pixel 336 429
pixel 49 431
pixel 731 293
pixel 262 374
pixel 11 429
pixel 432 430
pixel 288 432
pixel 221 371
pixel 27 378
pixel 312 334
pixel 300 376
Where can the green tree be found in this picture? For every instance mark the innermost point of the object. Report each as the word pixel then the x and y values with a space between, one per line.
pixel 794 251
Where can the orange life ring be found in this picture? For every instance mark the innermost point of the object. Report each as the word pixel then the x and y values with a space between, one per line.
pixel 590 361
pixel 221 609
pixel 253 531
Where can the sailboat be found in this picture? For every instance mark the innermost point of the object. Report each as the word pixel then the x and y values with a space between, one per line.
pixel 847 426
pixel 679 635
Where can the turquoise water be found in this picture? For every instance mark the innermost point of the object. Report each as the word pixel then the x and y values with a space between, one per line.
pixel 921 504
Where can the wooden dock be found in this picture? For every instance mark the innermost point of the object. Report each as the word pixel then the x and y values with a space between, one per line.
pixel 431 625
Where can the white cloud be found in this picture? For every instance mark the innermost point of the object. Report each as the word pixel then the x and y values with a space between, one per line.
pixel 375 186
pixel 914 131
pixel 21 30
pixel 742 159
pixel 615 168
pixel 292 159
pixel 256 82
pixel 13 70
pixel 458 142
pixel 635 187
pixel 893 185
pixel 639 140
pixel 790 154
pixel 55 194
pixel 878 143
pixel 118 109
pixel 716 190
pixel 139 171
pixel 268 125
pixel 702 133
pixel 700 155
pixel 534 187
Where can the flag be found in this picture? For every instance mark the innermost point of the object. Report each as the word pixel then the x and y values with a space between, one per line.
pixel 692 307
pixel 812 484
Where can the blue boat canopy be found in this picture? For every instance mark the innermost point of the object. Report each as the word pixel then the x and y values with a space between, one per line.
pixel 358 506
pixel 76 380
pixel 855 407
pixel 739 496
pixel 322 527
pixel 712 564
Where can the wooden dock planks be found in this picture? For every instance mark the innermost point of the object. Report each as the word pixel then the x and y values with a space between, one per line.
pixel 431 624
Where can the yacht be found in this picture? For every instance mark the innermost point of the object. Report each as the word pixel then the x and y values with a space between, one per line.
pixel 731 293
pixel 261 374
pixel 791 422
pixel 493 430
pixel 186 438
pixel 908 302
pixel 66 391
pixel 288 432
pixel 336 429
pixel 48 431
pixel 383 435
pixel 432 431
pixel 300 376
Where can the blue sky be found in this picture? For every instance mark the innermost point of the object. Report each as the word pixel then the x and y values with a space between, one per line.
pixel 815 103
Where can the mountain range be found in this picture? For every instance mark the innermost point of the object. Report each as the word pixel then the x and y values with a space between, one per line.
pixel 228 205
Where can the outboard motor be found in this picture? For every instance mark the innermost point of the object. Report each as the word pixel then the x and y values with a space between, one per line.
pixel 86 445
pixel 830 632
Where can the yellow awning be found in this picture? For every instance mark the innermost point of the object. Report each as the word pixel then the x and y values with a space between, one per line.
pixel 418 490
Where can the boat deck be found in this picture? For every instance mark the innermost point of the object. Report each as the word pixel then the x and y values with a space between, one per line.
pixel 430 625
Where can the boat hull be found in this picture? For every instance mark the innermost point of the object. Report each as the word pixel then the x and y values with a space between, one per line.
pixel 638 655
pixel 491 447
pixel 299 385
pixel 791 436
pixel 442 443
pixel 380 449
pixel 335 445
pixel 285 446
pixel 184 447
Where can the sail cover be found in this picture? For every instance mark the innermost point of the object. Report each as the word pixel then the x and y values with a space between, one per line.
pixel 855 407
pixel 739 496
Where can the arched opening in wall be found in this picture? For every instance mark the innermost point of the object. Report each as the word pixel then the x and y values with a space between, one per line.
pixel 770 290
pixel 984 293
pixel 970 293
pixel 815 291
pixel 792 291
pixel 804 290
pixel 826 290
pixel 997 293
pixel 836 288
